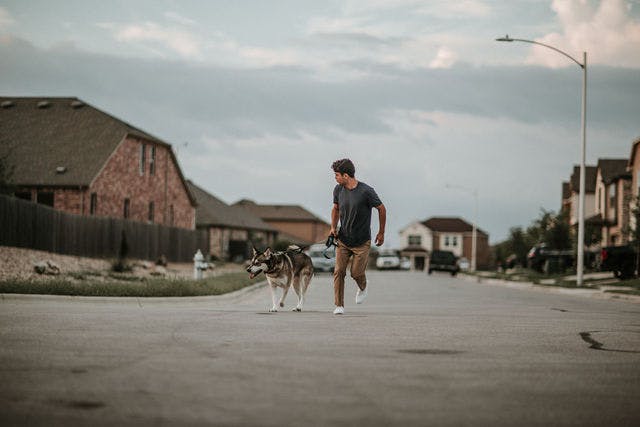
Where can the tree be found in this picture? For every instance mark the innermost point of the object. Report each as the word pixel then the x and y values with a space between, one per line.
pixel 551 229
pixel 518 244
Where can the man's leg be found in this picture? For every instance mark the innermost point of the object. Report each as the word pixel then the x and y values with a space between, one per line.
pixel 359 264
pixel 339 272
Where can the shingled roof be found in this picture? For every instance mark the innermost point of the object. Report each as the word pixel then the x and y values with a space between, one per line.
pixel 450 225
pixel 278 212
pixel 42 134
pixel 612 169
pixel 213 211
pixel 590 173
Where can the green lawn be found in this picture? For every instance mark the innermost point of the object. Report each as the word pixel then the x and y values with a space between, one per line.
pixel 129 286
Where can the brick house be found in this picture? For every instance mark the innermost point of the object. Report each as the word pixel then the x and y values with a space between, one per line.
pixel 69 155
pixel 633 168
pixel 420 238
pixel 231 229
pixel 613 190
pixel 294 222
pixel 571 197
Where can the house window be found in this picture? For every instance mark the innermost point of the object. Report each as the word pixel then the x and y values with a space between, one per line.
pixel 151 211
pixel 126 212
pixel 171 217
pixel 93 206
pixel 142 158
pixel 45 198
pixel 446 240
pixel 415 240
pixel 152 161
pixel 455 241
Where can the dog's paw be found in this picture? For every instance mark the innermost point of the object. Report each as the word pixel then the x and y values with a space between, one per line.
pixel 297 309
pixel 273 309
pixel 281 304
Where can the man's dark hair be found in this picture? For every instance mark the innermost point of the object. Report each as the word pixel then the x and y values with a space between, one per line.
pixel 344 166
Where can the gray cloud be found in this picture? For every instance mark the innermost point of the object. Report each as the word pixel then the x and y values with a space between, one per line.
pixel 251 130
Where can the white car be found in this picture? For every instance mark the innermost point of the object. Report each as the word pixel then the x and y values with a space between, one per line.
pixel 388 259
pixel 320 263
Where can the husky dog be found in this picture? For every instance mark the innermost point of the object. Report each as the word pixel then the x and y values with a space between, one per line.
pixel 282 270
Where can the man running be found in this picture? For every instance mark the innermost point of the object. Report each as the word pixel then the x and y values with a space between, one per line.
pixel 352 204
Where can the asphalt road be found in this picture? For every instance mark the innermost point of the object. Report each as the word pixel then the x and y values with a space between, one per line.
pixel 422 350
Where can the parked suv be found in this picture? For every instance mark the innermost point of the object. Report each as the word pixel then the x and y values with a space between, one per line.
pixel 443 261
pixel 619 259
pixel 388 259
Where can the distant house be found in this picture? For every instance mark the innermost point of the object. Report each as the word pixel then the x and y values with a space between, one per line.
pixel 294 222
pixel 420 238
pixel 232 230
pixel 571 203
pixel 566 199
pixel 634 170
pixel 69 155
pixel 613 191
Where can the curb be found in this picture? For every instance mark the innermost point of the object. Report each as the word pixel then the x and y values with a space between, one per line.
pixel 586 292
pixel 137 300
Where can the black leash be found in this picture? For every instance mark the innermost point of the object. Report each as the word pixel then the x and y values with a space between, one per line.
pixel 330 242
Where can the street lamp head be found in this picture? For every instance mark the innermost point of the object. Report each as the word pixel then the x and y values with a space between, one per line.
pixel 504 39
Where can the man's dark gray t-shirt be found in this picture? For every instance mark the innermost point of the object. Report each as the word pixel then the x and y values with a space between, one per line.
pixel 355 212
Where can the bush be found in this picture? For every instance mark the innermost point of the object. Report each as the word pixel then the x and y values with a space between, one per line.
pixel 121 266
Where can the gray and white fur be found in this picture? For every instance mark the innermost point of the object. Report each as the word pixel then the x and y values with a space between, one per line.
pixel 283 269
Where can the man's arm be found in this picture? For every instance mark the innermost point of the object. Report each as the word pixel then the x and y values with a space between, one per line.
pixel 335 216
pixel 382 218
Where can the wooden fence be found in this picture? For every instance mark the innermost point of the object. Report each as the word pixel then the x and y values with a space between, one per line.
pixel 30 225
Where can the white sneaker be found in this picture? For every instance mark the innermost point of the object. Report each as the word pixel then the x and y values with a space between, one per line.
pixel 338 310
pixel 361 295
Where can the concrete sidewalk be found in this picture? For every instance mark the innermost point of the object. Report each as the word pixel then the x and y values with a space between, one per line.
pixel 559 290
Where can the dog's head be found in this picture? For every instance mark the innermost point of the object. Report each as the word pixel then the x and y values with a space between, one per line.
pixel 260 262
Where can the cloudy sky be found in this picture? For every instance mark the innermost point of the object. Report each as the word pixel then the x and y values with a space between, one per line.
pixel 259 97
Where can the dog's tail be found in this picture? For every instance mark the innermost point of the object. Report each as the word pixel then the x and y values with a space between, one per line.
pixel 295 249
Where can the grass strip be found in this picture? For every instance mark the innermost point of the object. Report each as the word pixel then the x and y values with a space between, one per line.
pixel 625 292
pixel 152 287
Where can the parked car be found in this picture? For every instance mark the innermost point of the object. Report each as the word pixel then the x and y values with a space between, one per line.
pixel 545 260
pixel 443 261
pixel 388 259
pixel 320 263
pixel 621 260
pixel 405 263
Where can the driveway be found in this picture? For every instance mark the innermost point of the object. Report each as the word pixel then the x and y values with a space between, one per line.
pixel 422 350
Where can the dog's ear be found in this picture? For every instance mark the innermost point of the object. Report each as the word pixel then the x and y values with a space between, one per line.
pixel 267 252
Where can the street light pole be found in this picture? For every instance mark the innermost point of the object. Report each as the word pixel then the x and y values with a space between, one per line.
pixel 581 196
